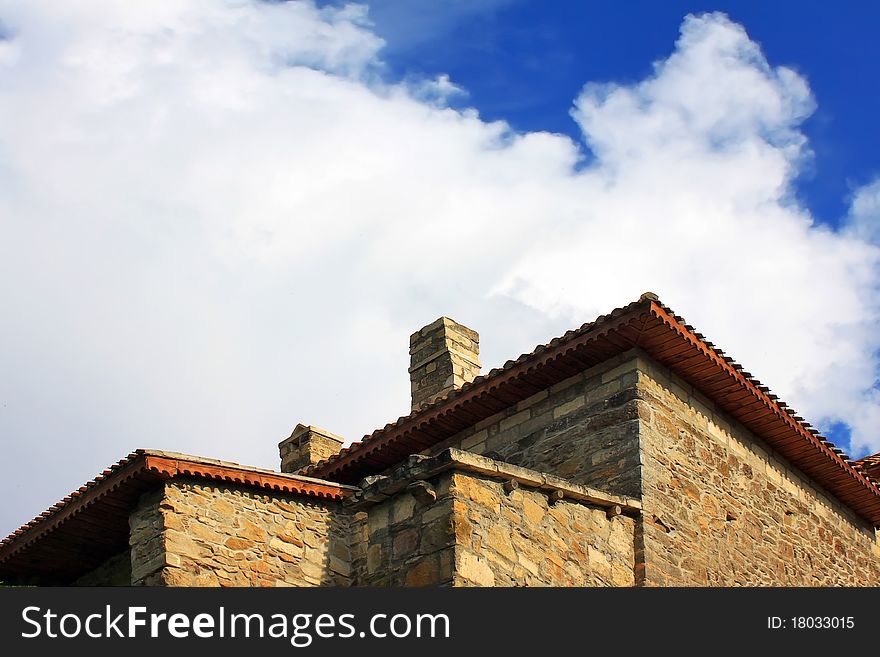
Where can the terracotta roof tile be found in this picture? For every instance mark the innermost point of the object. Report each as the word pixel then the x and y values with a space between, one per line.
pixel 125 481
pixel 869 466
pixel 636 325
pixel 483 379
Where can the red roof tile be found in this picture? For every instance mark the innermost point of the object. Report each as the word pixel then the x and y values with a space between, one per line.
pixel 646 324
pixel 79 532
pixel 870 467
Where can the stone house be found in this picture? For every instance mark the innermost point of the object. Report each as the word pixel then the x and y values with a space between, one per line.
pixel 627 452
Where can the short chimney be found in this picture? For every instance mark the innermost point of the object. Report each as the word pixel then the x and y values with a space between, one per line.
pixel 444 356
pixel 307 446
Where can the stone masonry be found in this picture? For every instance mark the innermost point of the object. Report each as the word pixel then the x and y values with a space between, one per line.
pixel 723 509
pixel 631 427
pixel 191 534
pixel 410 537
pixel 116 571
pixel 444 355
pixel 525 537
pixel 307 445
pixel 465 520
pixel 622 474
pixel 585 429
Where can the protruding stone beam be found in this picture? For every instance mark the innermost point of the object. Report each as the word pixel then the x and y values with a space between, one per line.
pixel 375 489
pixel 423 492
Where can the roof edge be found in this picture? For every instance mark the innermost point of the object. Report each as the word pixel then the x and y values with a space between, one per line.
pixel 762 393
pixel 486 382
pixel 818 457
pixel 163 466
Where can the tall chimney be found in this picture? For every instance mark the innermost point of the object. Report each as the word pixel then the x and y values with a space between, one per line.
pixel 444 356
pixel 306 446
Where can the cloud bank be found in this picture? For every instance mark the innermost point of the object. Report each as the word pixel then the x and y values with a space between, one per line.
pixel 221 218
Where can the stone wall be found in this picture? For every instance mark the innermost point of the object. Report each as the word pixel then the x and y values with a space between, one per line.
pixel 721 508
pixel 116 571
pixel 520 539
pixel 411 543
pixel 192 533
pixel 147 540
pixel 466 520
pixel 704 503
pixel 584 429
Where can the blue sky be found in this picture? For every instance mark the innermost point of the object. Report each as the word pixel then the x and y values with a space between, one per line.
pixel 220 218
pixel 523 62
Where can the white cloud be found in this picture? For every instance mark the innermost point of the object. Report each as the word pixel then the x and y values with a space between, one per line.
pixel 218 220
pixel 694 166
pixel 417 22
pixel 864 217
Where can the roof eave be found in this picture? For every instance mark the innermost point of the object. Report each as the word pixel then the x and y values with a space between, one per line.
pixel 646 324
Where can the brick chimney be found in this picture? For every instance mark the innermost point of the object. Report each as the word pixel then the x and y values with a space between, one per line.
pixel 444 356
pixel 306 446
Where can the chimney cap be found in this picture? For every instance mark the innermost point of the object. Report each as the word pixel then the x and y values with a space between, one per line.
pixel 447 322
pixel 302 429
pixel 306 446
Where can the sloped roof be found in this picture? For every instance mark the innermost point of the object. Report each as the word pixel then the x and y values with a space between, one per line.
pixel 870 467
pixel 91 524
pixel 646 324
